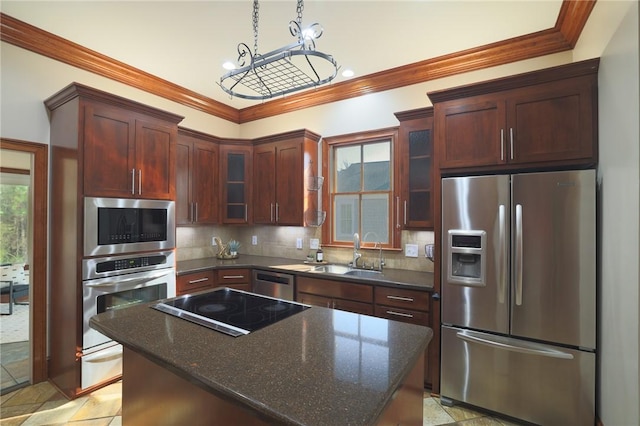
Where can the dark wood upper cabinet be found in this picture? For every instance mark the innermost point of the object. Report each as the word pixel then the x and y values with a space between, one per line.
pixel 283 165
pixel 235 182
pixel 127 155
pixel 414 169
pixel 197 182
pixel 541 119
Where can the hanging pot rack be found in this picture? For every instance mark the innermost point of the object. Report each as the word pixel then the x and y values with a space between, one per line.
pixel 297 66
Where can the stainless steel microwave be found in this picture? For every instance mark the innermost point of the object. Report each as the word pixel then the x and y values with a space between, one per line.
pixel 120 225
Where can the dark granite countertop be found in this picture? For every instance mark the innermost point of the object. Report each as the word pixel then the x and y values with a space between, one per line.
pixel 416 280
pixel 318 367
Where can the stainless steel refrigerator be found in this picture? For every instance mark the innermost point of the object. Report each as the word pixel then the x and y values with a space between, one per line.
pixel 519 295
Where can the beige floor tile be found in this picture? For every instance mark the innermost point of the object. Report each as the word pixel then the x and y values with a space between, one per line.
pixel 459 413
pixel 433 414
pixel 39 393
pixel 53 412
pixel 98 406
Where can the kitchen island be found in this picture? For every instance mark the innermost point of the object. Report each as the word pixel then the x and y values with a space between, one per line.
pixel 318 367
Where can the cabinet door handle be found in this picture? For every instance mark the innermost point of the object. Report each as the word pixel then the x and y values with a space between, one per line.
pixel 245 213
pixel 232 277
pixel 501 144
pixel 401 298
pixel 511 132
pixel 405 212
pixel 199 280
pixel 271 211
pixel 398 212
pixel 195 216
pixel 190 212
pixel 139 181
pixel 133 181
pixel 399 314
pixel 277 213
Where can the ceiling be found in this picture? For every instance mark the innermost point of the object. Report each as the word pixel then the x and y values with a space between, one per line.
pixel 186 42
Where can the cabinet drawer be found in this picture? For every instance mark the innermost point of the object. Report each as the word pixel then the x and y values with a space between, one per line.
pixel 243 287
pixel 233 276
pixel 336 289
pixel 194 282
pixel 402 298
pixel 341 304
pixel 403 315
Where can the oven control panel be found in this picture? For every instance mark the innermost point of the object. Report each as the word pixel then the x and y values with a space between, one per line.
pixel 128 263
pixel 114 265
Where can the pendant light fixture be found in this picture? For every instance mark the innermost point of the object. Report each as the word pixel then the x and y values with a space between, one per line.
pixel 291 68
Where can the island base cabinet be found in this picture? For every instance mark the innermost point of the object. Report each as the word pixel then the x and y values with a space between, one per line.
pixel 406 406
pixel 152 395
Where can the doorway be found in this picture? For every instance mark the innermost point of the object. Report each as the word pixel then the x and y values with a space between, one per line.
pixel 24 172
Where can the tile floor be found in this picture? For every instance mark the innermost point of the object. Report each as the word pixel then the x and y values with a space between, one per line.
pixel 42 404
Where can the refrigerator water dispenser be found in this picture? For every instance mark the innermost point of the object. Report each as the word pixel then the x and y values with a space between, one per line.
pixel 467 257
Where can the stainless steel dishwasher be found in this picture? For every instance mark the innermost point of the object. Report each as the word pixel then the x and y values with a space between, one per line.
pixel 274 284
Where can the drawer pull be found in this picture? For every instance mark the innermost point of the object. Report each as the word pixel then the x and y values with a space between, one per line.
pixel 198 280
pixel 400 314
pixel 232 277
pixel 404 299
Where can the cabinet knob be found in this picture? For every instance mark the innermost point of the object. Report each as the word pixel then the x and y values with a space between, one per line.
pixel 435 296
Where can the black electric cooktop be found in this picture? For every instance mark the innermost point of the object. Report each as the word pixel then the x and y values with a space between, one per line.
pixel 230 311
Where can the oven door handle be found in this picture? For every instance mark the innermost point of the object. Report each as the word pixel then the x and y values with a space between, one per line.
pixel 138 278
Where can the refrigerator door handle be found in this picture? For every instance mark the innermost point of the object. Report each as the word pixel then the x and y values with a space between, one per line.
pixel 502 267
pixel 505 343
pixel 518 255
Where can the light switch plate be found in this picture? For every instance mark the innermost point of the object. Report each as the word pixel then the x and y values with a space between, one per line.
pixel 314 243
pixel 254 240
pixel 411 250
pixel 299 243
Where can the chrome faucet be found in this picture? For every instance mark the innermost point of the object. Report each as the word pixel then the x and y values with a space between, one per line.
pixel 356 247
pixel 380 258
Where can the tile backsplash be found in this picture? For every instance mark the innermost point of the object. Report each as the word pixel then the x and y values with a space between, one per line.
pixel 280 241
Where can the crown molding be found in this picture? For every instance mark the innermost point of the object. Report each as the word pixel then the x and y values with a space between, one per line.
pixel 571 20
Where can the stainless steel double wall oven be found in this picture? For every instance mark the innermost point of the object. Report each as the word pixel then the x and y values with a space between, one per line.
pixel 128 259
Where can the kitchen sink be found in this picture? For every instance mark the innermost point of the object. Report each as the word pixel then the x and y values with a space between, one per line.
pixel 346 270
pixel 332 269
pixel 364 273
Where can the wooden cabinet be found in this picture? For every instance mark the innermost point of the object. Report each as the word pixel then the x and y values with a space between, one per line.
pixel 282 166
pixel 350 297
pixel 235 182
pixel 414 169
pixel 128 154
pixel 197 182
pixel 540 119
pixel 194 282
pixel 238 278
pixel 414 307
pixel 106 146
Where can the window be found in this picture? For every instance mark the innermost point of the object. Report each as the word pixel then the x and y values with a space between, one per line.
pixel 361 188
pixel 14 200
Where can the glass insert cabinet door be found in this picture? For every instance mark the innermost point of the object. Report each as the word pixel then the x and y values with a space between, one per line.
pixel 235 184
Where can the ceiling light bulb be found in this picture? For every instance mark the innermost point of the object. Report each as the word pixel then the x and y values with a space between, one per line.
pixel 347 73
pixel 229 66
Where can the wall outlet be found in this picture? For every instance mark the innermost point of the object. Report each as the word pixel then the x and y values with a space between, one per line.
pixel 314 243
pixel 213 241
pixel 411 250
pixel 254 240
pixel 299 243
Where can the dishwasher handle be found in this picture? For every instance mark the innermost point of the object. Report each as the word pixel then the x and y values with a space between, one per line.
pixel 273 277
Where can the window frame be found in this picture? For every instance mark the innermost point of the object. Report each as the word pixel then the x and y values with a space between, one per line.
pixel 380 135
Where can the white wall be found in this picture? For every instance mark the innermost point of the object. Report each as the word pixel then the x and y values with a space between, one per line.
pixel 27 79
pixel 619 206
